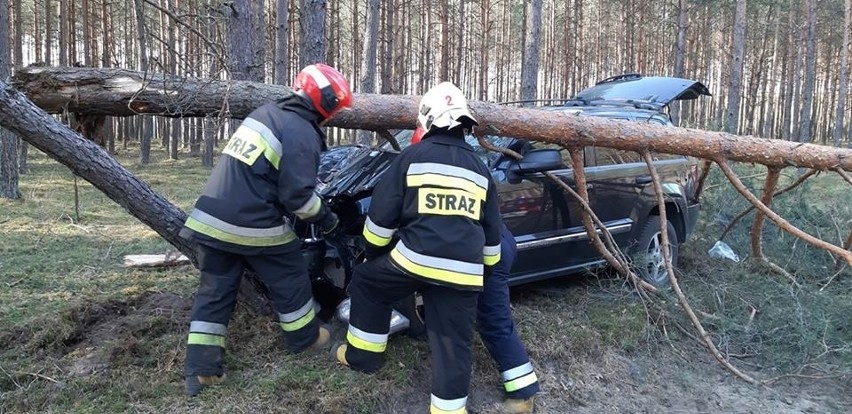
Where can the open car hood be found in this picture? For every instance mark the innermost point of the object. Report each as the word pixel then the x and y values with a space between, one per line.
pixel 659 90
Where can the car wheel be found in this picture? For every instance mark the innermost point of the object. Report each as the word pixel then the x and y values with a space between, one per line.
pixel 412 308
pixel 647 255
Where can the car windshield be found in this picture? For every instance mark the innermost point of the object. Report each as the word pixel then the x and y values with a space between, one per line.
pixel 403 137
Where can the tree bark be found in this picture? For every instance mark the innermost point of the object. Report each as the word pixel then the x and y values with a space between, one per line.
pixel 368 64
pixel 387 56
pixel 119 92
pixel 147 122
pixel 8 140
pixel 679 55
pixel 246 40
pixel 735 79
pixel 92 163
pixel 87 24
pixel 282 42
pixel 810 74
pixel 312 40
pixel 48 32
pixel 843 81
pixel 444 67
pixel 532 39
pixel 62 36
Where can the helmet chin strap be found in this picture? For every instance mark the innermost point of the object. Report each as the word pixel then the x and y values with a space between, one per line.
pixel 419 132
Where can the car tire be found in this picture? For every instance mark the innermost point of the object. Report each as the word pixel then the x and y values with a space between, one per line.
pixel 412 308
pixel 647 253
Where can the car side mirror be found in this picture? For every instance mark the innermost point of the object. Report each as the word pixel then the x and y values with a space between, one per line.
pixel 534 161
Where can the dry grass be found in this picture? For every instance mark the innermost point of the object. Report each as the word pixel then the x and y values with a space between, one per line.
pixel 80 333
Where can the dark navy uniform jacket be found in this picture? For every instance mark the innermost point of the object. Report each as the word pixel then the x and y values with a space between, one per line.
pixel 438 202
pixel 267 169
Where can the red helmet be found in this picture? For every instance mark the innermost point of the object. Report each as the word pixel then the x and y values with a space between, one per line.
pixel 326 88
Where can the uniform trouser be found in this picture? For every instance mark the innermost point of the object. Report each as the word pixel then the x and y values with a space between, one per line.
pixel 497 329
pixel 287 279
pixel 449 324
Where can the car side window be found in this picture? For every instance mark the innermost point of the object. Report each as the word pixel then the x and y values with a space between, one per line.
pixel 612 156
pixel 566 157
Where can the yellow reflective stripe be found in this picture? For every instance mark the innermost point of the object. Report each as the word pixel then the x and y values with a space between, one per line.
pixel 521 382
pixel 442 406
pixel 271 139
pixel 365 345
pixel 491 254
pixel 436 410
pixel 374 238
pixel 218 234
pixel 205 339
pixel 420 180
pixel 247 145
pixel 443 275
pixel 379 230
pixel 310 208
pixel 491 260
pixel 298 323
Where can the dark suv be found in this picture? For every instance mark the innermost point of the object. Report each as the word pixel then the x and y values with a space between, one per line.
pixel 545 220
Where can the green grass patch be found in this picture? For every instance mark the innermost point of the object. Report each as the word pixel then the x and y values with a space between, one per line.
pixel 758 315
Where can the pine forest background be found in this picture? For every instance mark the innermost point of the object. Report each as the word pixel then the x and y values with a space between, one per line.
pixel 776 69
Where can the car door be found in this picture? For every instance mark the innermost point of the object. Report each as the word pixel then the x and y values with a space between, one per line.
pixel 546 223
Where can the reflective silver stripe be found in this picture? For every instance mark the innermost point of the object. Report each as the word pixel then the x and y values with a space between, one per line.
pixel 315 73
pixel 295 315
pixel 207 327
pixel 491 250
pixel 379 230
pixel 453 171
pixel 516 372
pixel 266 133
pixel 369 337
pixel 237 230
pixel 449 405
pixel 439 262
pixel 309 205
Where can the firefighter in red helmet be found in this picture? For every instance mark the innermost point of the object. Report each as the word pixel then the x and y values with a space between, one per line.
pixel 433 226
pixel 267 170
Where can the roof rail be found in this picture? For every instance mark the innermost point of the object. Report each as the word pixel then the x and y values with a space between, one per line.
pixel 534 101
pixel 624 76
pixel 656 106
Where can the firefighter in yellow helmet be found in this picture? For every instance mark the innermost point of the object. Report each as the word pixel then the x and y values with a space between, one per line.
pixel 433 226
pixel 267 170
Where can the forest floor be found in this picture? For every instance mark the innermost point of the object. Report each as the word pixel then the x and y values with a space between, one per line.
pixel 79 332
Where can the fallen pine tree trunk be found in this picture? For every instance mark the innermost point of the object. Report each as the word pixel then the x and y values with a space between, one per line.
pixel 91 162
pixel 120 92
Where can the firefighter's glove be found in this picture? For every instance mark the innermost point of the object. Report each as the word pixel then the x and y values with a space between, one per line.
pixel 328 224
pixel 487 271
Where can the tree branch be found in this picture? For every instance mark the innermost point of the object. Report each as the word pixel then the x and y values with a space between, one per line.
pixel 780 221
pixel 658 189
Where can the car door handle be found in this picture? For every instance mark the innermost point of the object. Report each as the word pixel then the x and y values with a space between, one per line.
pixel 644 179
